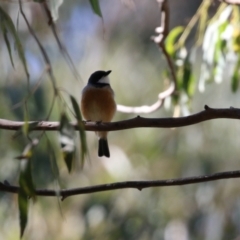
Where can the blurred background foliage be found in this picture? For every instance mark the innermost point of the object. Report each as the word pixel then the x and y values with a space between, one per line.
pixel 206 53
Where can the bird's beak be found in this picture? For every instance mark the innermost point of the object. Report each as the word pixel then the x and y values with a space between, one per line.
pixel 108 72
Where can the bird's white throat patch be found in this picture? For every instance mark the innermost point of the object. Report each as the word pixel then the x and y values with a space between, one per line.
pixel 104 80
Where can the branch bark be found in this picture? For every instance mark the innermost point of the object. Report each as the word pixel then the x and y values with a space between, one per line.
pixel 6 187
pixel 138 122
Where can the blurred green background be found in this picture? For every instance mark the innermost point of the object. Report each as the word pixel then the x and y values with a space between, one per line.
pixel 121 43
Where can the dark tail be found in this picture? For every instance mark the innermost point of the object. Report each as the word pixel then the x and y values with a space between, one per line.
pixel 103 149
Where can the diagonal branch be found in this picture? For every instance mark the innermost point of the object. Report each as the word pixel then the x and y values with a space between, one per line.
pixel 59 43
pixel 6 187
pixel 44 53
pixel 138 122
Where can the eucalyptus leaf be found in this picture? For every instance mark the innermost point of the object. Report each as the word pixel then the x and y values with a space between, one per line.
pixel 82 133
pixel 188 78
pixel 68 158
pixel 67 133
pixel 96 7
pixel 4 31
pixel 28 150
pixel 53 160
pixel 27 190
pixel 236 75
pixel 9 25
pixel 171 39
pixel 23 211
pixel 25 129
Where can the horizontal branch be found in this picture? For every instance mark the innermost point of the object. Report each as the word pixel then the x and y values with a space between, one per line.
pixel 138 122
pixel 231 2
pixel 6 187
pixel 141 109
pixel 148 109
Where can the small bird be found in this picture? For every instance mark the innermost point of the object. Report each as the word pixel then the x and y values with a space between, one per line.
pixel 98 104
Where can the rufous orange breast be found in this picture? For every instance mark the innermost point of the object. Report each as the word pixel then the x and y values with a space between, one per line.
pixel 98 104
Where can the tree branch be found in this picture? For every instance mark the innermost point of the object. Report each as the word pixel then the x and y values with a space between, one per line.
pixel 231 2
pixel 42 50
pixel 138 122
pixel 6 187
pixel 59 43
pixel 162 32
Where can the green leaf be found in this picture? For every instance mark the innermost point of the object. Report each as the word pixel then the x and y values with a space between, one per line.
pixel 25 129
pixel 68 158
pixel 25 126
pixel 235 77
pixel 235 80
pixel 23 210
pixel 27 190
pixel 67 133
pixel 53 160
pixel 4 31
pixel 171 39
pixel 25 179
pixel 28 150
pixel 96 7
pixel 81 128
pixel 76 108
pixel 188 78
pixel 9 25
pixel 222 27
pixel 220 43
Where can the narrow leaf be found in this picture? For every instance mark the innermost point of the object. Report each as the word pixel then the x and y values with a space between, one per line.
pixel 23 211
pixel 67 133
pixel 27 190
pixel 82 133
pixel 96 7
pixel 53 160
pixel 25 179
pixel 28 150
pixel 76 108
pixel 26 128
pixel 11 28
pixel 68 158
pixel 188 78
pixel 171 39
pixel 235 77
pixel 235 81
pixel 4 31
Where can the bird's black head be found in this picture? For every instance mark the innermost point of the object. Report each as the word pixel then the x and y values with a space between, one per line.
pixel 97 76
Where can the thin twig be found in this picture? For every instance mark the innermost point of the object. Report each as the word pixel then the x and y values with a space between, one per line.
pixel 138 122
pixel 31 92
pixel 162 31
pixel 6 187
pixel 60 45
pixel 44 53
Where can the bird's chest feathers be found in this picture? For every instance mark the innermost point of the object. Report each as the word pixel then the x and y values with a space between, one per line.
pixel 98 104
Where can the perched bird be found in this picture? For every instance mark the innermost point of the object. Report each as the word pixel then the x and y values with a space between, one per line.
pixel 98 105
